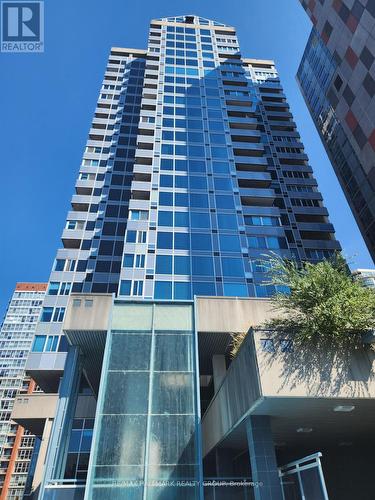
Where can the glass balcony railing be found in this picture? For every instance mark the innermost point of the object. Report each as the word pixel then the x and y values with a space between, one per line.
pixel 65 489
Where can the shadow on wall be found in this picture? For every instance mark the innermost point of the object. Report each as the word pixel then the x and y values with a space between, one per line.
pixel 289 367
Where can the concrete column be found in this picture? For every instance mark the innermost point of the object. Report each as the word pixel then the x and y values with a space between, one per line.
pixel 39 467
pixel 219 369
pixel 263 458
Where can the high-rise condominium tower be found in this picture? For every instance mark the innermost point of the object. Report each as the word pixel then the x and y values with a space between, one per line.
pixel 16 338
pixel 193 170
pixel 337 79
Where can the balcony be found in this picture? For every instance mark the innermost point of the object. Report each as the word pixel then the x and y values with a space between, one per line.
pixel 248 148
pixel 142 169
pixel 254 179
pixel 275 105
pixel 257 196
pixel 276 95
pixel 135 204
pixel 284 115
pixel 322 244
pixel 46 368
pixel 311 211
pixel 32 410
pixel 302 182
pixel 301 157
pixel 249 135
pixel 71 238
pixel 273 211
pixel 241 122
pixel 86 183
pixel 288 125
pixel 78 199
pixel 316 226
pixel 300 167
pixel 148 102
pixel 141 186
pixel 143 154
pixel 258 163
pixel 86 324
pixel 64 490
pixel 233 106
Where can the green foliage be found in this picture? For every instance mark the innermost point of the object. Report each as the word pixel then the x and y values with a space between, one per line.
pixel 325 303
pixel 324 306
pixel 236 342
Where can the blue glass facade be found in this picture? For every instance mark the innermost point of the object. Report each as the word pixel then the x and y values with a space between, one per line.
pixel 213 187
pixel 193 171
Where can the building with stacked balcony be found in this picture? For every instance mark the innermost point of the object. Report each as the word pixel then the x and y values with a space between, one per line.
pixel 17 445
pixel 193 171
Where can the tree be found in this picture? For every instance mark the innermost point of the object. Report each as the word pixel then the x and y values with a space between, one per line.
pixel 324 304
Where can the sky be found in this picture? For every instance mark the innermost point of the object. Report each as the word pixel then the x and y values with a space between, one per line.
pixel 47 101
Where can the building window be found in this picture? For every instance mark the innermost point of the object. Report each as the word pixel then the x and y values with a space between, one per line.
pixel 53 288
pixel 58 314
pixel 286 345
pixel 163 290
pixel 181 265
pixel 181 241
pixel 128 260
pixel 252 220
pixel 44 343
pixel 200 220
pixel 64 265
pixel 138 215
pixel 267 345
pixel 131 236
pixel 163 264
pixel 229 243
pixel 79 449
pixel 65 288
pixel 39 342
pixel 164 240
pixel 204 288
pixel 181 219
pixel 165 218
pixel 271 242
pixel 56 288
pixel 141 236
pixel 202 266
pixel 139 261
pixel 235 289
pixel 125 287
pixel 46 315
pixel 232 267
pixel 182 290
pixel 138 288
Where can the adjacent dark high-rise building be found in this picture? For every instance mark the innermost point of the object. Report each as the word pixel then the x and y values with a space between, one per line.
pixel 337 79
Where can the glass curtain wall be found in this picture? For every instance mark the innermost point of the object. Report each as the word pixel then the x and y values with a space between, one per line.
pixel 145 442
